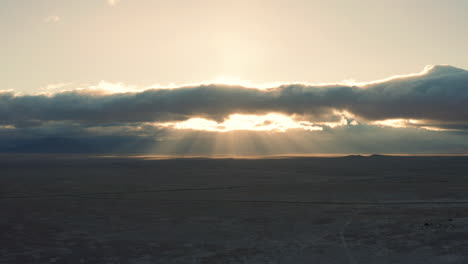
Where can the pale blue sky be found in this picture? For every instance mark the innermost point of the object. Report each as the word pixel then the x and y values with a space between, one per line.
pixel 143 42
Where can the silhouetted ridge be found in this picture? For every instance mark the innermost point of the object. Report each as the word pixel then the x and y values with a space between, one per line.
pixel 377 156
pixel 355 156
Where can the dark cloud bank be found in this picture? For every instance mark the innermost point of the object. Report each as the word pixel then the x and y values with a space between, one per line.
pixel 90 122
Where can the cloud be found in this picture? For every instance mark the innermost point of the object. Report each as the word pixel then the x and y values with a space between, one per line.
pixel 438 97
pixel 419 113
pixel 52 19
pixel 65 137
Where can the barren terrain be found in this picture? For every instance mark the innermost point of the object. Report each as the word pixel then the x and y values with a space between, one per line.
pixel 378 209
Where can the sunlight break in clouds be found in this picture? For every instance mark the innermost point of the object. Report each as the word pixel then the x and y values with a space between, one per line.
pixel 269 122
pixel 409 123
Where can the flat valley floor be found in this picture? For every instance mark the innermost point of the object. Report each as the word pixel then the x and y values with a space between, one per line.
pixel 378 209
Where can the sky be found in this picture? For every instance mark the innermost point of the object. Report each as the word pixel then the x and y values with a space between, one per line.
pixel 234 77
pixel 148 42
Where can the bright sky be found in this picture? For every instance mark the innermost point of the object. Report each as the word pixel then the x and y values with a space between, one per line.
pixel 144 42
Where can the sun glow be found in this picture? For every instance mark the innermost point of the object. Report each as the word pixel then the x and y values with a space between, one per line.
pixel 230 80
pixel 405 123
pixel 396 123
pixel 269 122
pixel 109 88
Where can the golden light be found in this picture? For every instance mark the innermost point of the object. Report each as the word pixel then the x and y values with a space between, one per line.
pixel 396 123
pixel 405 123
pixel 230 80
pixel 269 122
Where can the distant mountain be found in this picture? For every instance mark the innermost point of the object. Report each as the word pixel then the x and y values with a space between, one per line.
pixel 377 156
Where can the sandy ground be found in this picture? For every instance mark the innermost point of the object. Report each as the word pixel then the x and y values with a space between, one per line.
pixel 72 209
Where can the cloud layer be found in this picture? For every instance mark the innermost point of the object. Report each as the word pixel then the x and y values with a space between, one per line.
pixel 97 121
pixel 439 96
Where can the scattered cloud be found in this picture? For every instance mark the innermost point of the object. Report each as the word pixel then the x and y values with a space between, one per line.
pixel 112 2
pixel 6 127
pixel 52 19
